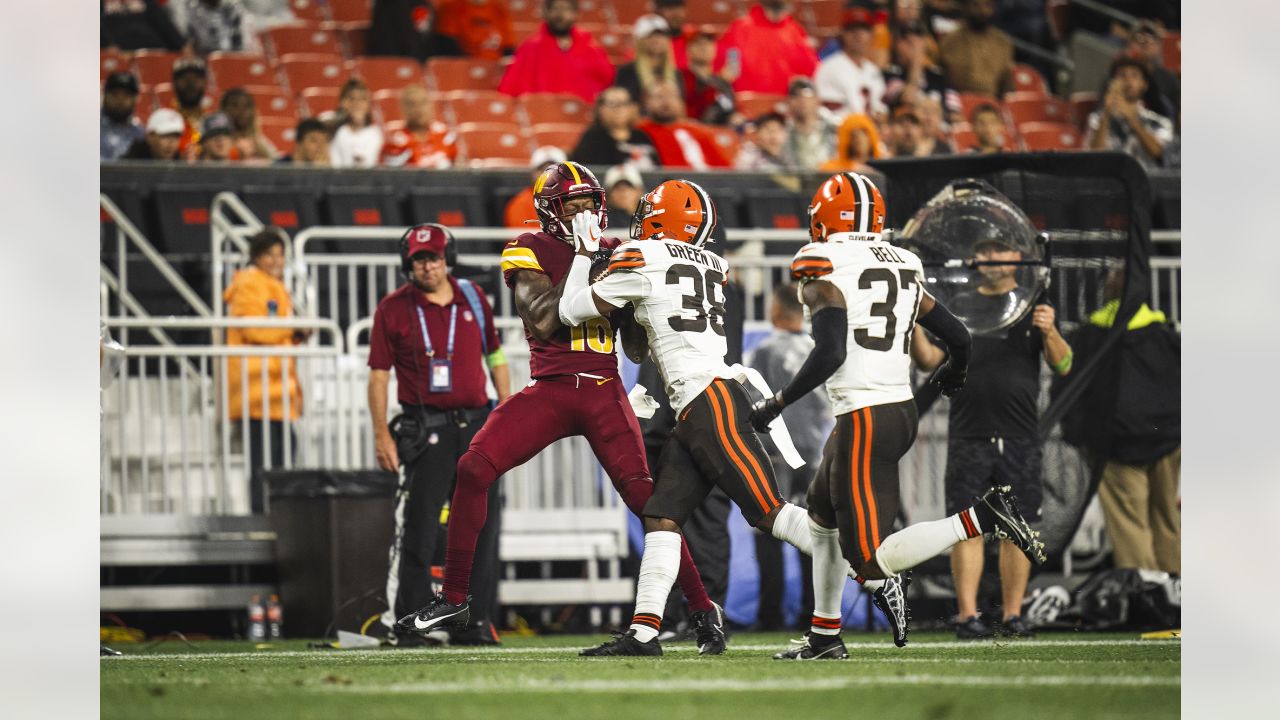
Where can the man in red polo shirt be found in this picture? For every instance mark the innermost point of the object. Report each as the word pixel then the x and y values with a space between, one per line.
pixel 762 50
pixel 680 144
pixel 559 58
pixel 438 334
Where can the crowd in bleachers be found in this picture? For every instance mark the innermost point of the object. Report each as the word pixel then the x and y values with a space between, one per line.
pixel 768 85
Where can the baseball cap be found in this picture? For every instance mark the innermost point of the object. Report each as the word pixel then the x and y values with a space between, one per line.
pixel 1145 27
pixel 858 17
pixel 121 81
pixel 166 121
pixel 647 25
pixel 698 32
pixel 625 172
pixel 426 238
pixel 188 64
pixel 801 86
pixel 214 125
pixel 547 155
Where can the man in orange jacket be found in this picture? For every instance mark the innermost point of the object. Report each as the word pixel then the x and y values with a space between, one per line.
pixel 258 291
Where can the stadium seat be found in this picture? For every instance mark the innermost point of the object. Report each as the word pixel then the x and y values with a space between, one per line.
pixel 542 108
pixel 163 94
pixel 318 101
pixel 561 135
pixel 228 70
pixel 345 11
pixel 450 74
pixel 728 141
pixel 1082 105
pixel 1171 52
pixel 711 12
pixel 1026 107
pixel 483 107
pixel 356 37
pixel 970 101
pixel 154 66
pixel 617 45
pixel 311 11
pixel 292 209
pixel 625 12
pixel 753 105
pixel 1027 79
pixel 363 206
pixel 387 104
pixel 826 14
pixel 272 101
pixel 310 71
pixel 387 73
pixel 493 144
pixel 280 131
pixel 525 10
pixel 291 39
pixel 962 138
pixel 1050 136
pixel 525 28
pixel 110 61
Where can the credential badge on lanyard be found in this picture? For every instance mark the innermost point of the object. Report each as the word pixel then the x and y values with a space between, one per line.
pixel 439 372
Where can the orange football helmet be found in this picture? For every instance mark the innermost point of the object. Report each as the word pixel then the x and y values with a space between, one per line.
pixel 846 203
pixel 676 210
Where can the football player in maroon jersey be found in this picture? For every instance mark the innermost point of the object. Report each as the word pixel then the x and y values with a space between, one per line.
pixel 575 390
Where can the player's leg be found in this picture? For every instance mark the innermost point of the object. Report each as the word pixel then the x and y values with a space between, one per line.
pixel 1018 465
pixel 967 476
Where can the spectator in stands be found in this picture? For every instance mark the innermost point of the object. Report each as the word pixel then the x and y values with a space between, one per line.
pixel 408 28
pixel 210 25
pixel 988 128
pixel 933 134
pixel 764 151
pixel 311 144
pixel 559 57
pixel 613 138
pixel 811 136
pixel 707 97
pixel 623 188
pixel 164 133
pixel 238 105
pixel 482 28
pixel 849 81
pixel 259 291
pixel 190 80
pixel 217 139
pixel 120 128
pixel 520 212
pixel 913 76
pixel 1165 92
pixel 654 60
pixel 137 25
pixel 1124 123
pixel 978 58
pixel 680 143
pixel 764 49
pixel 857 143
pixel 906 132
pixel 676 16
pixel 424 142
pixel 357 142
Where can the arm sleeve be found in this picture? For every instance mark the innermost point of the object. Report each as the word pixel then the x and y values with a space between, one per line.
pixel 830 336
pixel 576 303
pixel 947 327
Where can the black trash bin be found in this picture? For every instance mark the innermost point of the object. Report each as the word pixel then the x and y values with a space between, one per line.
pixel 333 530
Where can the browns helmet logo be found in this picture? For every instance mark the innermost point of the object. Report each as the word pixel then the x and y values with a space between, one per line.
pixel 846 203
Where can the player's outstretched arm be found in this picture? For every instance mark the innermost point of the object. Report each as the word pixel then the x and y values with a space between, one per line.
pixel 538 302
pixel 937 319
pixel 830 335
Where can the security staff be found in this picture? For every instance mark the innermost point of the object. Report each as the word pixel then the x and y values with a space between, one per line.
pixel 438 333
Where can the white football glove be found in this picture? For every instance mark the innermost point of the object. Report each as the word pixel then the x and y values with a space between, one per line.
pixel 586 231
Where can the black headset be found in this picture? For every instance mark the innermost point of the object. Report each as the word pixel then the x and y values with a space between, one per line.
pixel 450 248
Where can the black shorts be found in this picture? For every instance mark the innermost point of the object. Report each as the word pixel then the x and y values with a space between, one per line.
pixel 975 464
pixel 714 445
pixel 856 487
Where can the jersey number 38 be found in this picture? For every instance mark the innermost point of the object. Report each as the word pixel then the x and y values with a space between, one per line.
pixel 712 313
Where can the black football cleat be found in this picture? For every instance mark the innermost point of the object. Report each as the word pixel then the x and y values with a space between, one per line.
pixel 1016 627
pixel 623 645
pixel 481 632
pixel 816 647
pixel 708 628
pixel 974 628
pixel 891 598
pixel 1011 525
pixel 438 613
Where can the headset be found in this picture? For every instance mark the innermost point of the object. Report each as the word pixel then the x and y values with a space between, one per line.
pixel 450 247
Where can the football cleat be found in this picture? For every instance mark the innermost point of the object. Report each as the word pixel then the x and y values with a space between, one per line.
pixel 481 632
pixel 708 628
pixel 625 644
pixel 438 613
pixel 891 598
pixel 1011 525
pixel 815 647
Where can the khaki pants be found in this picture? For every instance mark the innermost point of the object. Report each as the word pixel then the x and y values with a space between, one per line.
pixel 1141 506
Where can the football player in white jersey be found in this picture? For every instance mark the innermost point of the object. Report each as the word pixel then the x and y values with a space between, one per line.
pixel 863 297
pixel 675 285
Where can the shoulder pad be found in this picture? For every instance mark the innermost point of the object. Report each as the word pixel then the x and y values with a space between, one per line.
pixel 812 261
pixel 627 256
pixel 519 254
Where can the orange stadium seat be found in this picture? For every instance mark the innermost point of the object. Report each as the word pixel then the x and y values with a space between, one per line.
pixel 542 108
pixel 1082 104
pixel 110 61
pixel 727 140
pixel 228 70
pixel 1026 107
pixel 154 66
pixel 483 107
pixel 711 12
pixel 387 73
pixel 1050 136
pixel 309 10
pixel 627 11
pixel 962 138
pixel 617 44
pixel 163 93
pixel 280 131
pixel 272 101
pixel 827 15
pixel 970 101
pixel 449 74
pixel 753 105
pixel 345 11
pixel 302 71
pixel 596 12
pixel 387 104
pixel 561 135
pixel 289 39
pixel 495 144
pixel 320 100
pixel 524 28
pixel 525 10
pixel 1027 79
pixel 356 37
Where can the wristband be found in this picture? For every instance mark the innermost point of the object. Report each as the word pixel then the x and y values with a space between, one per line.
pixel 1064 365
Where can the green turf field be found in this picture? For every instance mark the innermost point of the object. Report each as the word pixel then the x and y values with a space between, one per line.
pixel 1054 676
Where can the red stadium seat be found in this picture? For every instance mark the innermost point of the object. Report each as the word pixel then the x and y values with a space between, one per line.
pixel 356 37
pixel 110 61
pixel 303 71
pixel 493 144
pixel 524 28
pixel 290 39
pixel 272 101
pixel 525 10
pixel 280 131
pixel 962 139
pixel 345 11
pixel 1027 79
pixel 228 70
pixel 970 101
pixel 827 14
pixel 711 12
pixel 483 107
pixel 627 11
pixel 1082 105
pixel 387 73
pixel 753 104
pixel 617 45
pixel 1025 107
pixel 154 66
pixel 561 135
pixel 596 12
pixel 449 74
pixel 727 140
pixel 1171 56
pixel 163 93
pixel 319 101
pixel 542 108
pixel 1050 136
pixel 388 104
pixel 312 11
